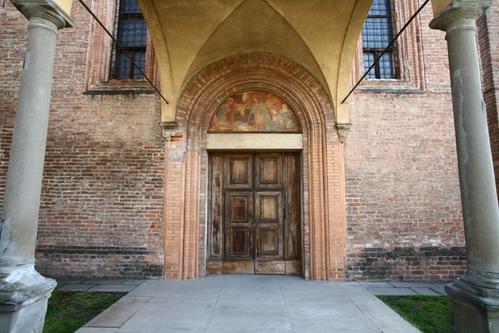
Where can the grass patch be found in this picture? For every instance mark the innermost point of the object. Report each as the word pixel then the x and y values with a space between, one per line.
pixel 69 310
pixel 428 313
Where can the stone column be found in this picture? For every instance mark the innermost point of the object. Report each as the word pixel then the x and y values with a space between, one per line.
pixel 476 293
pixel 23 291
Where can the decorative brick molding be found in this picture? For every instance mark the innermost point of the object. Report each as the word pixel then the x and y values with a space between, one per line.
pixel 99 56
pixel 408 54
pixel 186 163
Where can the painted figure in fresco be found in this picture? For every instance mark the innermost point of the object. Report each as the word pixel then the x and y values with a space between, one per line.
pixel 254 111
pixel 263 119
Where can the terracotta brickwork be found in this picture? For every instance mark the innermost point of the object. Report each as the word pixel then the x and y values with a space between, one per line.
pixel 125 196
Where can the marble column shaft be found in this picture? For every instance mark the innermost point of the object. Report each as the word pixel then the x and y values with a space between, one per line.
pixel 27 154
pixel 476 293
pixel 476 171
pixel 23 291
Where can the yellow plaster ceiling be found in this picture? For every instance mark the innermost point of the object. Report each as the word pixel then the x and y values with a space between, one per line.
pixel 266 31
pixel 439 5
pixel 319 35
pixel 65 5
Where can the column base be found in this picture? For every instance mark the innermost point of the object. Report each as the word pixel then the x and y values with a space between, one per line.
pixel 23 299
pixel 476 302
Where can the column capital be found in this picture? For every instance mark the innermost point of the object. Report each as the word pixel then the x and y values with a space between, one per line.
pixel 51 10
pixel 343 129
pixel 458 11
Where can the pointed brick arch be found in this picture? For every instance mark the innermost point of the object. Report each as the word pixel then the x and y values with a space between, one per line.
pixel 323 199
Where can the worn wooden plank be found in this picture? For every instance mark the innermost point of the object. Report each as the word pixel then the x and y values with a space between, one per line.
pixel 214 267
pixel 239 267
pixel 293 208
pixel 270 267
pixel 293 267
pixel 216 186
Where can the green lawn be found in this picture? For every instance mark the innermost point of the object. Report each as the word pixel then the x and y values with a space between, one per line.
pixel 430 314
pixel 69 310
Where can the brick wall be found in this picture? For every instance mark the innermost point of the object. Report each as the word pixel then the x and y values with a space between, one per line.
pixel 403 200
pixel 102 192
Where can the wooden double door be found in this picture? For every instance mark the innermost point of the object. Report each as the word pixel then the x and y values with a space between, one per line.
pixel 254 213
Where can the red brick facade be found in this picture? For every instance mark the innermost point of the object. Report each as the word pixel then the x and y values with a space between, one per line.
pixel 102 195
pixel 124 196
pixel 403 200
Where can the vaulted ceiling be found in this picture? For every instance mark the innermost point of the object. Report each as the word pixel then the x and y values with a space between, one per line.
pixel 320 35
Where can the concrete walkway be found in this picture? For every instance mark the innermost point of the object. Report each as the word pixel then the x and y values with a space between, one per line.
pixel 247 304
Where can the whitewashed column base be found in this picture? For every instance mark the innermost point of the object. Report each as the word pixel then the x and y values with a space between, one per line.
pixel 23 299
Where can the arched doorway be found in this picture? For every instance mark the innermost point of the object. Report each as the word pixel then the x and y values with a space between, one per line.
pixel 187 156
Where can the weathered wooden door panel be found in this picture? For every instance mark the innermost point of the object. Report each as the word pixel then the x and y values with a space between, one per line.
pixel 268 243
pixel 268 207
pixel 238 242
pixel 269 225
pixel 238 224
pixel 255 215
pixel 239 171
pixel 268 171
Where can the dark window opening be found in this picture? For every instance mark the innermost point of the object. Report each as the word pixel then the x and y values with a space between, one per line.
pixel 132 40
pixel 377 33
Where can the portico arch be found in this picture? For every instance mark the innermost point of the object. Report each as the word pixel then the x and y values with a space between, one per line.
pixel 323 214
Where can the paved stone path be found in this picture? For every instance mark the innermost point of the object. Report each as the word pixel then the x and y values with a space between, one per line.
pixel 249 304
